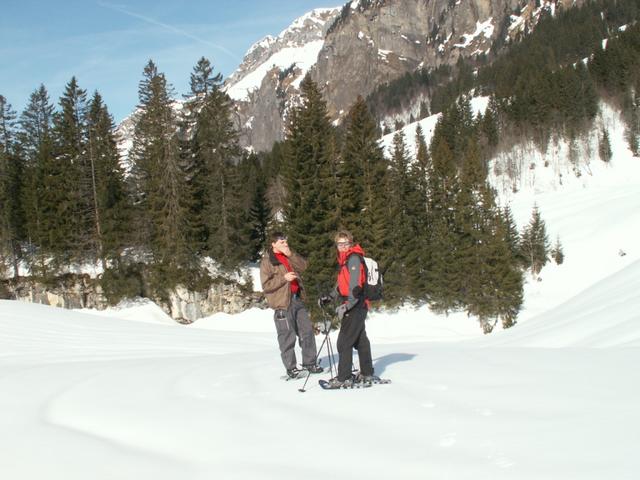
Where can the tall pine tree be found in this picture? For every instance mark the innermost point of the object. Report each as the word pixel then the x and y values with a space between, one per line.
pixel 420 254
pixel 490 279
pixel 442 277
pixel 111 205
pixel 361 182
pixel 162 213
pixel 42 183
pixel 10 187
pixel 401 234
pixel 310 211
pixel 220 209
pixel 74 206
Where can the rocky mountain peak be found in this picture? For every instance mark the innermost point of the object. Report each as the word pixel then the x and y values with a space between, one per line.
pixel 297 45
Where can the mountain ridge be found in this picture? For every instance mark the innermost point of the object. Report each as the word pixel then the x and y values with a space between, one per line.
pixel 350 50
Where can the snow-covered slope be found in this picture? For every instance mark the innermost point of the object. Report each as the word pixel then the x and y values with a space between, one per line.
pixel 607 314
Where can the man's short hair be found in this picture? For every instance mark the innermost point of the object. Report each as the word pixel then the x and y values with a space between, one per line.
pixel 343 234
pixel 275 236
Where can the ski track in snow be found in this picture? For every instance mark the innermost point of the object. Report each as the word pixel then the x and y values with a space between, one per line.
pixel 456 410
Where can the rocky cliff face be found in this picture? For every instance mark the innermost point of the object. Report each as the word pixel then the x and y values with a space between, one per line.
pixel 376 42
pixel 82 291
pixel 365 44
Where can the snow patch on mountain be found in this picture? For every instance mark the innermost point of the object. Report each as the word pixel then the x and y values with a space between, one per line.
pixel 485 29
pixel 314 16
pixel 302 58
pixel 295 48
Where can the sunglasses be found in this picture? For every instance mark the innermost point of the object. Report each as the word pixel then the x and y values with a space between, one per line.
pixel 343 244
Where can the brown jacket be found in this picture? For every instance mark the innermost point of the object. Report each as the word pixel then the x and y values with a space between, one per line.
pixel 274 286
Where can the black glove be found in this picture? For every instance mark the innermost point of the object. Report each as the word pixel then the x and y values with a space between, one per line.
pixel 324 300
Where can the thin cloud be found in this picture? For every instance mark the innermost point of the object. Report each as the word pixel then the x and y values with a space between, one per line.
pixel 171 28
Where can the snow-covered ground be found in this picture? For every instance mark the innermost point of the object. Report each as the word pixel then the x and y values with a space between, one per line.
pixel 129 394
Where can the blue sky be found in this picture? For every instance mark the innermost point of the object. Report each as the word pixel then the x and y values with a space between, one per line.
pixel 105 44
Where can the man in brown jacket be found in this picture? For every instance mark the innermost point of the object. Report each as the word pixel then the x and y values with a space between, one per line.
pixel 280 270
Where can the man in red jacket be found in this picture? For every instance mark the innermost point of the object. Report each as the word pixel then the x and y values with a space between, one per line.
pixel 280 270
pixel 352 311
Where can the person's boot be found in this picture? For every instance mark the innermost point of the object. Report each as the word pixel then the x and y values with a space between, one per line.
pixel 294 372
pixel 313 368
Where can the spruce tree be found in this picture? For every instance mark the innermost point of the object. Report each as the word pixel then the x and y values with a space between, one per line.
pixel 456 127
pixel 41 182
pixel 444 242
pixel 310 212
pixel 557 252
pixel 604 146
pixel 511 235
pixel 220 209
pixel 506 275
pixel 420 253
pixel 401 231
pixel 111 205
pixel 473 204
pixel 360 185
pixel 162 213
pixel 534 243
pixel 350 168
pixel 489 125
pixel 202 81
pixel 73 198
pixel 11 217
pixel 491 281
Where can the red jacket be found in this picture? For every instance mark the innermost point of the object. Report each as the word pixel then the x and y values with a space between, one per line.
pixel 350 286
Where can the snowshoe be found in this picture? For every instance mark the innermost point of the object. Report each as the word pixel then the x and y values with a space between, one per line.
pixel 335 384
pixel 371 379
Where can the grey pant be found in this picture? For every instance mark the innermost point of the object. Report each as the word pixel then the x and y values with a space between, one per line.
pixel 291 323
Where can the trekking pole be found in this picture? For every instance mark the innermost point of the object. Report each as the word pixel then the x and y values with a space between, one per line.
pixel 330 352
pixel 327 340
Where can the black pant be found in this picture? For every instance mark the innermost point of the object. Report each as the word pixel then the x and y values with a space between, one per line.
pixel 353 335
